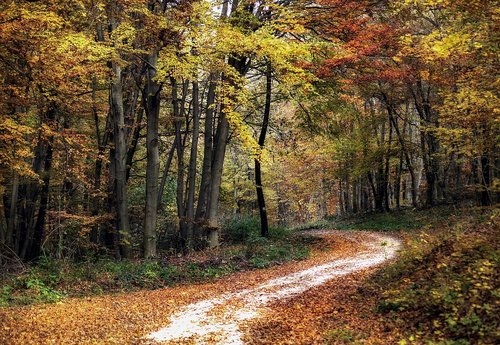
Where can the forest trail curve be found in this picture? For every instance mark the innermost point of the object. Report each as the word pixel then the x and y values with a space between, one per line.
pixel 219 312
pixel 218 320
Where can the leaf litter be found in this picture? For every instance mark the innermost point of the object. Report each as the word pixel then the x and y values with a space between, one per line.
pixel 229 311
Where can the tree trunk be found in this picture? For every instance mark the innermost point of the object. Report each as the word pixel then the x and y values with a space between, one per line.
pixel 429 143
pixel 264 226
pixel 207 158
pixel 38 231
pixel 134 140
pixel 216 179
pixel 166 169
pixel 404 150
pixel 151 100
pixel 192 167
pixel 119 136
pixel 96 206
pixel 180 159
pixel 219 152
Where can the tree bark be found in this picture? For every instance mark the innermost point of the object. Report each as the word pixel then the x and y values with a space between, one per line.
pixel 180 159
pixel 204 190
pixel 39 228
pixel 216 179
pixel 134 140
pixel 219 152
pixel 192 167
pixel 429 142
pixel 264 226
pixel 151 100
pixel 164 176
pixel 120 183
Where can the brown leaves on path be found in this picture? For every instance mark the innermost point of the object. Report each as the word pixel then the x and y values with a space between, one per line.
pixel 128 318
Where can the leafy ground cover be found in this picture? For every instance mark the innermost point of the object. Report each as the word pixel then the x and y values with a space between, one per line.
pixel 445 288
pixel 442 289
pixel 126 318
pixel 51 280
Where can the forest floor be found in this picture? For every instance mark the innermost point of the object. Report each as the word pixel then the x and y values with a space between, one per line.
pixel 442 288
pixel 234 310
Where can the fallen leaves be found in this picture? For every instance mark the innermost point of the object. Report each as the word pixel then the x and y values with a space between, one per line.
pixel 128 318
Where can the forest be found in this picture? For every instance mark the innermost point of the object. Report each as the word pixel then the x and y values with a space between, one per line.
pixel 144 132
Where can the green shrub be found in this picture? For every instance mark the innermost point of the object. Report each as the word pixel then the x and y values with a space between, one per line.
pixel 5 295
pixel 247 228
pixel 43 293
pixel 278 232
pixel 239 230
pixel 262 252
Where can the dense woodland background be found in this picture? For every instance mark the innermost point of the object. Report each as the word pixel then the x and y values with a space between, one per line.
pixel 133 126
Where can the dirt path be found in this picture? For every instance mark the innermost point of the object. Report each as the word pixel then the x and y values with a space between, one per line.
pixel 217 320
pixel 220 312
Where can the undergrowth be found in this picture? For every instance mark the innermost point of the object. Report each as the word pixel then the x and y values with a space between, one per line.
pixel 445 286
pixel 52 280
pixel 402 220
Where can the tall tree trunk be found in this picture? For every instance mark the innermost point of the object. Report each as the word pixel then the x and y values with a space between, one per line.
pixel 264 226
pixel 219 152
pixel 102 143
pixel 110 236
pixel 134 140
pixel 101 146
pixel 216 179
pixel 387 171
pixel 341 208
pixel 204 190
pixel 192 167
pixel 38 233
pixel 376 200
pixel 180 159
pixel 355 205
pixel 397 183
pixel 39 230
pixel 3 226
pixel 151 100
pixel 119 136
pixel 29 194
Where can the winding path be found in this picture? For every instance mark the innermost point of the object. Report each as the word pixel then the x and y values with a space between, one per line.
pixel 231 310
pixel 218 320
